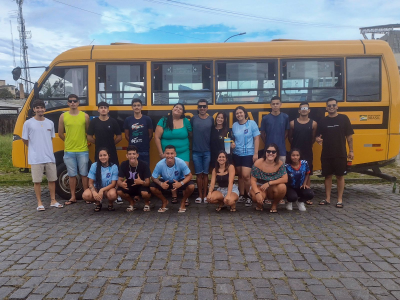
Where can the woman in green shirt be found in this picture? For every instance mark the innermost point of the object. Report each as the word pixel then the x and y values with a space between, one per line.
pixel 174 129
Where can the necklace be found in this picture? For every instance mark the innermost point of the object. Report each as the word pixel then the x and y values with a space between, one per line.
pixel 132 174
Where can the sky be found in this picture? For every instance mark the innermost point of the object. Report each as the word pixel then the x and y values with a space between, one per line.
pixel 59 25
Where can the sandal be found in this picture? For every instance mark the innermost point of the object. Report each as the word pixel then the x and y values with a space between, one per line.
pixel 40 208
pixel 339 205
pixel 309 202
pixel 130 208
pixel 110 208
pixel 259 208
pixel 233 209
pixel 182 210
pixel 98 207
pixel 324 202
pixel 187 202
pixel 146 208
pixel 69 202
pixel 273 211
pixel 267 202
pixel 57 205
pixel 162 209
pixel 174 200
pixel 219 208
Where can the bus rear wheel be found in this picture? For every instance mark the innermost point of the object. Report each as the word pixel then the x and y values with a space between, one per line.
pixel 62 184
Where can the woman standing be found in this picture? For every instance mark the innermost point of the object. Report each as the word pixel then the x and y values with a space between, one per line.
pixel 245 150
pixel 103 176
pixel 174 129
pixel 268 178
pixel 297 189
pixel 218 133
pixel 227 192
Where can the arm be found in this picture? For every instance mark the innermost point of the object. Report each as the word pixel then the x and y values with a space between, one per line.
pixel 314 131
pixel 263 135
pixel 290 135
pixel 212 183
pixel 283 179
pixel 87 119
pixel 139 181
pixel 256 144
pixel 61 130
pixel 127 135
pixel 94 191
pixel 164 184
pixel 90 139
pixel 26 142
pixel 231 171
pixel 118 138
pixel 122 183
pixel 304 185
pixel 349 139
pixel 286 133
pixel 157 139
pixel 150 134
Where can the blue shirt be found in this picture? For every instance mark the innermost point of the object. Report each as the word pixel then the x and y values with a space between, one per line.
pixel 139 132
pixel 244 137
pixel 177 172
pixel 275 129
pixel 296 176
pixel 108 174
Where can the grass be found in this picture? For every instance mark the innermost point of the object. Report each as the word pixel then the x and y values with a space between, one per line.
pixel 9 175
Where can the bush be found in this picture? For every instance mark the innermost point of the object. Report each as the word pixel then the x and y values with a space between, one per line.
pixel 5 94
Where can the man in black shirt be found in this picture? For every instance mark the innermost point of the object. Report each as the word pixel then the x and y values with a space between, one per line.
pixel 134 179
pixel 104 129
pixel 332 133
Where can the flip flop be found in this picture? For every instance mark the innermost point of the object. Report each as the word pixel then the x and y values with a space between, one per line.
pixel 259 208
pixel 69 202
pixel 219 208
pixel 146 208
pixel 182 210
pixel 57 205
pixel 111 208
pixel 174 200
pixel 162 210
pixel 339 205
pixel 309 202
pixel 40 208
pixel 130 208
pixel 187 202
pixel 324 202
pixel 273 211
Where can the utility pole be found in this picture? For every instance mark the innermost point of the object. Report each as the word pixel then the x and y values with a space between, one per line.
pixel 23 36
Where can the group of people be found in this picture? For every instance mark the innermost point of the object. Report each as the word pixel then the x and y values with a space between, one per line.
pixel 261 180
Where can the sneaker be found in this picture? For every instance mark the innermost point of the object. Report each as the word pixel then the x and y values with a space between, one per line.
pixel 205 200
pixel 248 202
pixel 119 200
pixel 241 199
pixel 301 206
pixel 198 200
pixel 289 206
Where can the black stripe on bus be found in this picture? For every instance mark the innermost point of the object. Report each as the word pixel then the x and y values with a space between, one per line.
pixel 365 52
pixel 91 52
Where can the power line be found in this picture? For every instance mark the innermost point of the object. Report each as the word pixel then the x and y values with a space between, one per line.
pixel 240 14
pixel 160 30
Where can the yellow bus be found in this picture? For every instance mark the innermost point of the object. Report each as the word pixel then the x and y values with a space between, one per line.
pixel 362 75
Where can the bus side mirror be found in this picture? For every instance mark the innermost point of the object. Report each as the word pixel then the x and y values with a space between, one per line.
pixel 36 90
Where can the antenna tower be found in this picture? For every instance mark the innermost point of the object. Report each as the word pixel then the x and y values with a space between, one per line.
pixel 12 45
pixel 23 36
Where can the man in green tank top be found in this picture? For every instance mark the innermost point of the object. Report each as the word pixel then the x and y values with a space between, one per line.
pixel 72 128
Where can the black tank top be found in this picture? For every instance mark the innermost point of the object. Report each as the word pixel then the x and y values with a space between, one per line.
pixel 302 139
pixel 223 180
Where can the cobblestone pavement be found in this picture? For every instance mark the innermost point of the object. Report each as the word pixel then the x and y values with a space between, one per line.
pixel 324 253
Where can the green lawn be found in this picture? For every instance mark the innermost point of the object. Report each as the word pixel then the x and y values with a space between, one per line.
pixel 8 174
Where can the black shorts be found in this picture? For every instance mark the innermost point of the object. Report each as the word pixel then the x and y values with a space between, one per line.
pixel 334 166
pixel 170 187
pixel 243 161
pixel 135 190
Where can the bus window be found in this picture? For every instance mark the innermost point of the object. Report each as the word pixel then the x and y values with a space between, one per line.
pixel 363 79
pixel 118 84
pixel 181 82
pixel 60 83
pixel 311 80
pixel 245 82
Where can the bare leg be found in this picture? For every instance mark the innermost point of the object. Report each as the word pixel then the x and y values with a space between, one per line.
pixel 156 192
pixel 52 190
pixel 240 180
pixel 88 196
pixel 246 179
pixel 72 187
pixel 186 194
pixel 146 197
pixel 126 197
pixel 340 188
pixel 199 181
pixel 85 182
pixel 38 192
pixel 276 193
pixel 205 185
pixel 328 187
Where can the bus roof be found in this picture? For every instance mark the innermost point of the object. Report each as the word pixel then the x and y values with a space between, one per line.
pixel 164 52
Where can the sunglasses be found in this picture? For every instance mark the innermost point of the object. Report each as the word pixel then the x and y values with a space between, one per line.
pixel 72 101
pixel 201 106
pixel 271 151
pixel 331 105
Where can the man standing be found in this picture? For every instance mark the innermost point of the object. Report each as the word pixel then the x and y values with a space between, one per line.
pixel 332 133
pixel 302 136
pixel 139 130
pixel 37 135
pixel 201 125
pixel 72 127
pixel 104 129
pixel 174 176
pixel 275 127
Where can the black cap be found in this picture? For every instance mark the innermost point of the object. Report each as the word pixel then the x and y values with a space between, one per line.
pixel 103 103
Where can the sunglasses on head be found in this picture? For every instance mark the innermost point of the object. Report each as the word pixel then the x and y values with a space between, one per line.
pixel 72 101
pixel 201 106
pixel 271 151
pixel 331 105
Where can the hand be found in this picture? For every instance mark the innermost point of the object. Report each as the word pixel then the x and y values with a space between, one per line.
pixel 351 155
pixel 176 185
pixel 304 186
pixel 101 193
pixel 137 181
pixel 227 199
pixel 161 155
pixel 233 145
pixel 124 185
pixel 255 157
pixel 319 139
pixel 209 196
pixel 264 187
pixel 259 198
pixel 164 185
pixel 96 196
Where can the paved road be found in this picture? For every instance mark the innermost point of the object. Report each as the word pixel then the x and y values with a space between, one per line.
pixel 324 253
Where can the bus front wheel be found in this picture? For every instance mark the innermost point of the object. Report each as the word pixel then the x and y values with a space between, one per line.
pixel 62 184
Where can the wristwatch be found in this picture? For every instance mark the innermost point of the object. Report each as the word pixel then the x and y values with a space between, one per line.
pixel 182 183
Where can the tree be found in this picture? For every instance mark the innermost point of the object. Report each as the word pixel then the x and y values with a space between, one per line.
pixel 4 93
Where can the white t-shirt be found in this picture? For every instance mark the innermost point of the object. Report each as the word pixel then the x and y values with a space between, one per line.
pixel 40 146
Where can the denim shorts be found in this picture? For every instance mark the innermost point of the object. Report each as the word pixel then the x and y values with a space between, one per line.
pixel 201 161
pixel 77 160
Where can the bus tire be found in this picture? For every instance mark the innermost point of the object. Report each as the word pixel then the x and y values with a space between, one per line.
pixel 62 184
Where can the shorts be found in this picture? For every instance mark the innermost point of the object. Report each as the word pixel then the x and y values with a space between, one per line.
pixel 75 161
pixel 37 171
pixel 334 166
pixel 243 161
pixel 135 190
pixel 224 190
pixel 201 161
pixel 182 188
pixel 144 156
